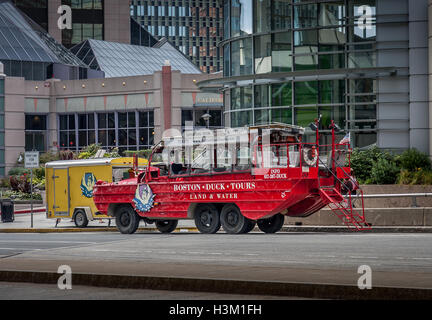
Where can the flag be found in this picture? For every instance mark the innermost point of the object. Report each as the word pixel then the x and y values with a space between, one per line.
pixel 346 139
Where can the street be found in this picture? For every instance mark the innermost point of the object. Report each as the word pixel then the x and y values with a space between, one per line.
pixel 384 252
pixel 395 259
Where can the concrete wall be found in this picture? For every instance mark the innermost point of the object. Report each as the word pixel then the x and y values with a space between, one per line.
pixel 393 98
pixel 53 17
pixel 408 217
pixel 117 21
pixel 383 211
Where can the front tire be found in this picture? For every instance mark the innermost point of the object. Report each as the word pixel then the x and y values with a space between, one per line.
pixel 127 220
pixel 272 224
pixel 166 226
pixel 232 220
pixel 80 219
pixel 207 219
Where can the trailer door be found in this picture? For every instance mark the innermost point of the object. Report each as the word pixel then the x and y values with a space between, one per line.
pixel 61 192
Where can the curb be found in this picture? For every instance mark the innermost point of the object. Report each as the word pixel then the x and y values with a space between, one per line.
pixel 311 229
pixel 37 210
pixel 75 230
pixel 397 229
pixel 304 290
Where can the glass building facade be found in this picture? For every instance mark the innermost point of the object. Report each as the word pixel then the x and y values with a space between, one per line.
pixel 293 60
pixel 131 130
pixel 194 27
pixel 88 22
pixel 36 9
pixel 2 126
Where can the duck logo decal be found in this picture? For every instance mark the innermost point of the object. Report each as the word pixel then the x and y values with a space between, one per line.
pixel 88 181
pixel 144 198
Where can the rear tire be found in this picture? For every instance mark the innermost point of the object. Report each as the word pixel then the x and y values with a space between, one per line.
pixel 166 226
pixel 272 224
pixel 251 226
pixel 80 219
pixel 127 220
pixel 207 219
pixel 232 220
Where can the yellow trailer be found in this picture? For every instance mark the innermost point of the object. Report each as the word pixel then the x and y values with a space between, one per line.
pixel 69 186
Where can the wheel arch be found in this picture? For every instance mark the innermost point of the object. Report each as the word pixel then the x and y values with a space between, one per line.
pixel 193 206
pixel 112 208
pixel 87 211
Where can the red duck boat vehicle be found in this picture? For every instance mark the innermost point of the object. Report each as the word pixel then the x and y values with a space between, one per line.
pixel 237 179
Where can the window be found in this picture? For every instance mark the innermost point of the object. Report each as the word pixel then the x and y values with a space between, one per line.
pixel 262 16
pixel 241 57
pixel 306 16
pixel 241 17
pixel 67 131
pixel 281 14
pixel 35 132
pixel 281 94
pixel 263 59
pixel 306 93
pixel 146 129
pixel 262 97
pixel 127 128
pixel 106 129
pixel 281 52
pixel 241 98
pixel 86 132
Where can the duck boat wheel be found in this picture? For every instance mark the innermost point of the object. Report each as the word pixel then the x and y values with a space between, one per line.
pixel 236 180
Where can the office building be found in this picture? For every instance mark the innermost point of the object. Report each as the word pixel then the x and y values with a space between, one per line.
pixel 363 63
pixel 194 27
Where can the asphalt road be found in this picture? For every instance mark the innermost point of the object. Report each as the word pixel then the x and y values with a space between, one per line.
pixel 401 260
pixel 386 252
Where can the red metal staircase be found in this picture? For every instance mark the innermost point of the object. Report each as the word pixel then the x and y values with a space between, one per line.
pixel 343 207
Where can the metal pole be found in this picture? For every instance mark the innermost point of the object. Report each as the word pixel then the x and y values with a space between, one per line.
pixel 31 196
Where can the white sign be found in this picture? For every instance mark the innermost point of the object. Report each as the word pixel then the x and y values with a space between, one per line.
pixel 31 159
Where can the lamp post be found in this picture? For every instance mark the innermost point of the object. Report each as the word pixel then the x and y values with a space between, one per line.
pixel 206 118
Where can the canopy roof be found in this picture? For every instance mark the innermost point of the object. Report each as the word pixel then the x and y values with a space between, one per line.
pixel 123 60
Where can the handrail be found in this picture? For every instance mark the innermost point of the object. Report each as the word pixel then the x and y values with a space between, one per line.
pixel 414 196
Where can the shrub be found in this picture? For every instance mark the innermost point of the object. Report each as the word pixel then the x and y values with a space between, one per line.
pixel 67 155
pixel 418 177
pixel 4 183
pixel 114 153
pixel 39 173
pixel 384 171
pixel 10 194
pixel 48 157
pixel 18 171
pixel 413 159
pixel 362 162
pixel 20 183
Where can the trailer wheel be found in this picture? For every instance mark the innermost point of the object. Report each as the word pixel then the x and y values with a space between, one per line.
pixel 127 220
pixel 166 226
pixel 80 219
pixel 207 219
pixel 272 224
pixel 232 220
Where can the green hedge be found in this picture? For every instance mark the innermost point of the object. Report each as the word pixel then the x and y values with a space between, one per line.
pixel 375 166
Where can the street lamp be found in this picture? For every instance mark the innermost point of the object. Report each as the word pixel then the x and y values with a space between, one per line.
pixel 206 118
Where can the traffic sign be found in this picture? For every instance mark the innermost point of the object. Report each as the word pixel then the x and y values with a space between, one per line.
pixel 31 159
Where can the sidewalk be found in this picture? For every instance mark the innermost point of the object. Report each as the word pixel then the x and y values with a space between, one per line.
pixel 22 223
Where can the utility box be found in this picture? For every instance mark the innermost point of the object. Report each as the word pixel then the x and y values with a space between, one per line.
pixel 7 211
